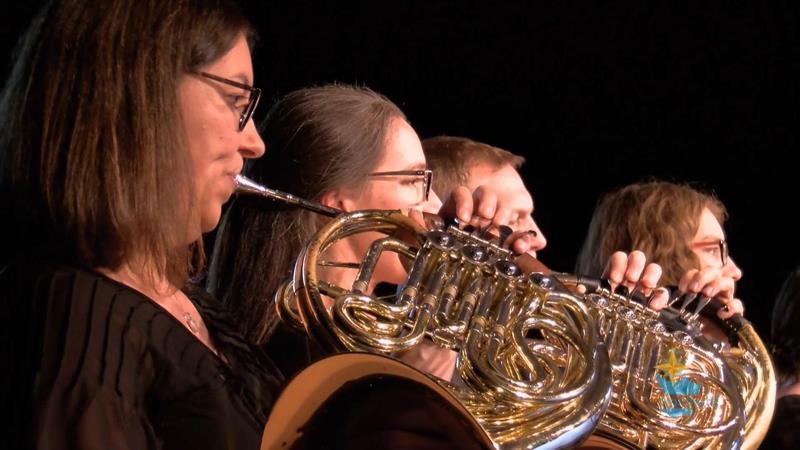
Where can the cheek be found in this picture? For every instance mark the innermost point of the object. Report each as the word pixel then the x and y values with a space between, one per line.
pixel 397 197
pixel 199 140
pixel 210 136
pixel 211 152
pixel 390 195
pixel 706 260
pixel 371 198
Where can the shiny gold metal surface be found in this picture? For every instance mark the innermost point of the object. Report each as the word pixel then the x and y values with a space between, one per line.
pixel 673 386
pixel 541 363
pixel 531 368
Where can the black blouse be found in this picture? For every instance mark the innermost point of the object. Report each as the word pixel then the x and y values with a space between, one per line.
pixel 784 431
pixel 291 351
pixel 92 363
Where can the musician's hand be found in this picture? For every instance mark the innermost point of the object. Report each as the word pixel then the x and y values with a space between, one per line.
pixel 712 283
pixel 633 272
pixel 483 209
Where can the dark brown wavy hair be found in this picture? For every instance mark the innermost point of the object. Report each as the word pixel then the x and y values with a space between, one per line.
pixel 657 217
pixel 785 333
pixel 93 162
pixel 317 139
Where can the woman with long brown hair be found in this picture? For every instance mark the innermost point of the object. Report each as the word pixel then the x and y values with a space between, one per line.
pixel 123 124
pixel 352 149
pixel 320 139
pixel 346 147
pixel 122 128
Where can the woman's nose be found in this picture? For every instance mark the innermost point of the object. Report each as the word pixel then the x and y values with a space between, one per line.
pixel 732 270
pixel 433 204
pixel 252 145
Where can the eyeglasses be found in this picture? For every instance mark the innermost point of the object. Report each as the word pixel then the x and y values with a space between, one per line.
pixel 723 249
pixel 426 174
pixel 255 95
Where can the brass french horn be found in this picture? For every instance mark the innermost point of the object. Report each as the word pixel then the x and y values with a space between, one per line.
pixel 673 387
pixel 541 363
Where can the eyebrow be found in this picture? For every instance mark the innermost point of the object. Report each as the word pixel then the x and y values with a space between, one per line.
pixel 241 77
pixel 709 240
pixel 416 166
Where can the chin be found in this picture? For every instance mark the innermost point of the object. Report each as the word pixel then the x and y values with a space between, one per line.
pixel 207 228
pixel 210 221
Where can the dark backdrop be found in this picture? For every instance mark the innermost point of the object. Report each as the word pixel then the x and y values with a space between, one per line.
pixel 594 95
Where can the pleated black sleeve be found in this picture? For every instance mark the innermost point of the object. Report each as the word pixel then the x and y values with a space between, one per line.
pixel 93 364
pixel 784 431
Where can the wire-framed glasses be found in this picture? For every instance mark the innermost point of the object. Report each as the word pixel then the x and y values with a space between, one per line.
pixel 425 174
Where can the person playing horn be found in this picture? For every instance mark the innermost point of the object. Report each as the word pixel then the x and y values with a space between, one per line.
pixel 348 148
pixel 124 125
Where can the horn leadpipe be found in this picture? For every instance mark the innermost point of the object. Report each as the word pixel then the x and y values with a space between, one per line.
pixel 247 186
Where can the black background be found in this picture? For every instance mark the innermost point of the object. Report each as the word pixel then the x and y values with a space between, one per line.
pixel 594 95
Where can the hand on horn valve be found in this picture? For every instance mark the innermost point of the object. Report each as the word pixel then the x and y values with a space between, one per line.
pixel 485 210
pixel 711 282
pixel 632 273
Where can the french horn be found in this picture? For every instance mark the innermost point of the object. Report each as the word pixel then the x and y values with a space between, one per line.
pixel 543 362
pixel 673 386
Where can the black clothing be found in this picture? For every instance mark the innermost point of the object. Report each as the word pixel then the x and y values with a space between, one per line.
pixel 784 431
pixel 291 351
pixel 95 364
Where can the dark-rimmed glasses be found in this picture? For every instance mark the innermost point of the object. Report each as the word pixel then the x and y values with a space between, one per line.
pixel 255 95
pixel 723 249
pixel 426 174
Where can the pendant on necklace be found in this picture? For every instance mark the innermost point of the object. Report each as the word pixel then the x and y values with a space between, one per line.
pixel 191 323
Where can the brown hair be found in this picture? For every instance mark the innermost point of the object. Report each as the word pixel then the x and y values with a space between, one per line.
pixel 785 334
pixel 317 139
pixel 451 159
pixel 657 217
pixel 91 129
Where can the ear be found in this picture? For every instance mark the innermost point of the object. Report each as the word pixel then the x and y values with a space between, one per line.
pixel 332 199
pixel 345 199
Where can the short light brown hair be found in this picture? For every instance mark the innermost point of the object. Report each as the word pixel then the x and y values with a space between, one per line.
pixel 452 158
pixel 93 156
pixel 658 218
